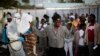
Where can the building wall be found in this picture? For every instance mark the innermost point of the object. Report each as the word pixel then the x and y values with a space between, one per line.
pixel 40 12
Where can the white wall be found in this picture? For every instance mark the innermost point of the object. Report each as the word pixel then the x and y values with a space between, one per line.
pixel 91 1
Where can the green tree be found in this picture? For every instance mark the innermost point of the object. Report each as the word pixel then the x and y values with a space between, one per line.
pixel 26 1
pixel 9 3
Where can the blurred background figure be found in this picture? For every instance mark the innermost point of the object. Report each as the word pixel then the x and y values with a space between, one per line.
pixel 69 40
pixel 92 34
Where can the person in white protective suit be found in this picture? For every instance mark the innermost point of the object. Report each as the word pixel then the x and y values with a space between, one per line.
pixel 25 21
pixel 25 29
pixel 15 40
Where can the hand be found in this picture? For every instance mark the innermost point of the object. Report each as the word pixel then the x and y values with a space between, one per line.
pixel 96 46
pixel 21 39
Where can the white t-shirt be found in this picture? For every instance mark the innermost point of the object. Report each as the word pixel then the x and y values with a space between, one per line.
pixel 81 40
pixel 44 26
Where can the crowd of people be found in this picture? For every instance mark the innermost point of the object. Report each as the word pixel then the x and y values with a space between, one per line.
pixel 80 36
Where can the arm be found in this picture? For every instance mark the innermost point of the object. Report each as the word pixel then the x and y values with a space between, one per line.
pixel 65 31
pixel 97 36
pixel 40 33
pixel 12 36
pixel 76 39
pixel 86 34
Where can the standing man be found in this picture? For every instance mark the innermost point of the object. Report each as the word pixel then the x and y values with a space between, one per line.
pixel 42 41
pixel 92 34
pixel 56 34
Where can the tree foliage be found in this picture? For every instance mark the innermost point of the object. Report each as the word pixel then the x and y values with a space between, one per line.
pixel 9 3
pixel 26 1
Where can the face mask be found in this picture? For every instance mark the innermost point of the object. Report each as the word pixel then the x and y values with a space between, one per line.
pixel 9 19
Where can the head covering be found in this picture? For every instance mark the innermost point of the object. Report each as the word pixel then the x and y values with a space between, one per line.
pixel 17 15
pixel 72 17
pixel 24 25
pixel 29 18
